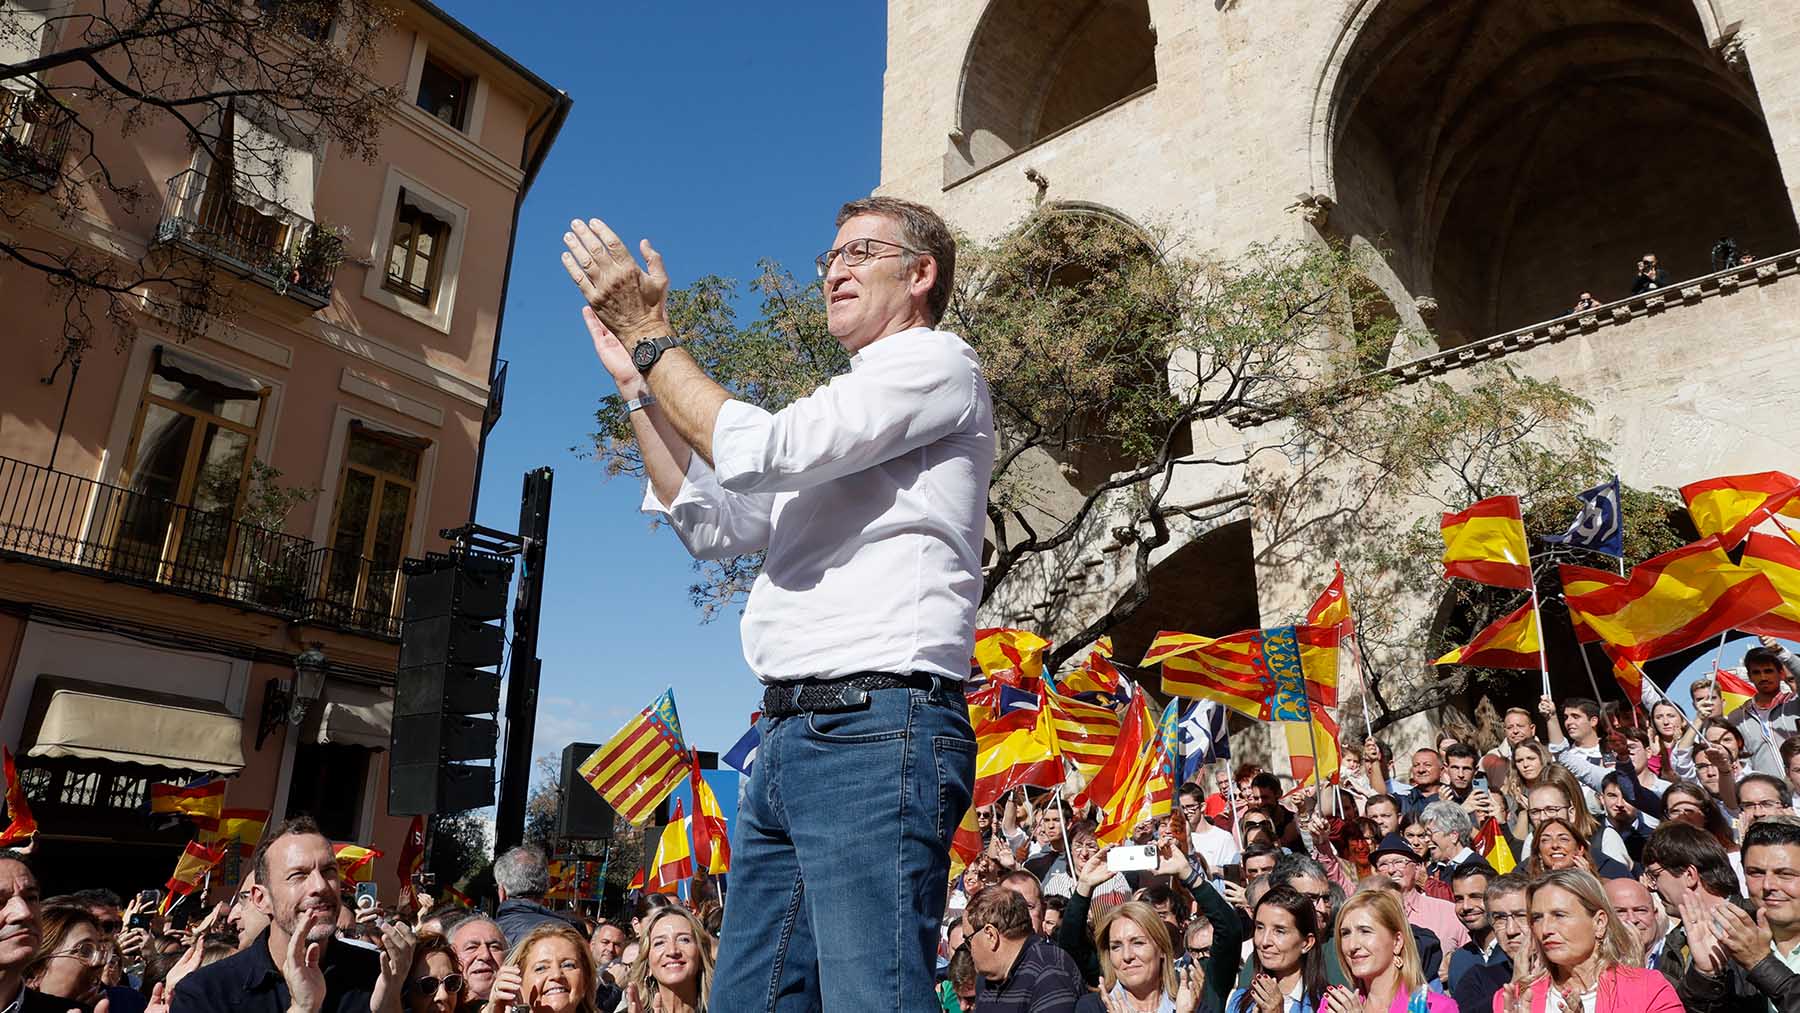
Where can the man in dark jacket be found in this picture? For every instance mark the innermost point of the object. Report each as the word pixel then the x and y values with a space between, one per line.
pixel 1688 868
pixel 1762 948
pixel 1649 275
pixel 522 877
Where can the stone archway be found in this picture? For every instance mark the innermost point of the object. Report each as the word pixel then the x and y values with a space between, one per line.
pixel 1035 67
pixel 1513 155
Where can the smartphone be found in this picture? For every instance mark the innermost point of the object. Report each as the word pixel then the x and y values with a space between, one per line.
pixel 1131 858
pixel 426 881
pixel 149 898
pixel 1232 874
pixel 365 896
pixel 141 920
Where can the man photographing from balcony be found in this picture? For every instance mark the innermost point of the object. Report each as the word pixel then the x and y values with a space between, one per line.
pixel 869 496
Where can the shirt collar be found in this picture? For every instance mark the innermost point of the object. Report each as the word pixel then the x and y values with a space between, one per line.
pixel 875 349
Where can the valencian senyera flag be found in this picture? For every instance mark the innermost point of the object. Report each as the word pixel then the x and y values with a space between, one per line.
pixel 1086 733
pixel 1010 656
pixel 1123 788
pixel 1312 747
pixel 1510 641
pixel 640 765
pixel 1598 525
pixel 1674 601
pixel 1779 560
pixel 1270 675
pixel 1730 506
pixel 1486 544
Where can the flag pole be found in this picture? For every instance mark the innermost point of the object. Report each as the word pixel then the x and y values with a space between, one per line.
pixel 1719 655
pixel 1231 796
pixel 1586 663
pixel 1312 737
pixel 1068 852
pixel 1537 615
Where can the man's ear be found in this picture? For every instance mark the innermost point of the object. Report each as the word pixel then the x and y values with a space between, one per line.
pixel 923 276
pixel 260 899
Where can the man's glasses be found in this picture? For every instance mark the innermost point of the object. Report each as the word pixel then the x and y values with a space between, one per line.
pixel 1504 917
pixel 1546 812
pixel 858 252
pixel 90 953
pixel 428 985
pixel 1199 952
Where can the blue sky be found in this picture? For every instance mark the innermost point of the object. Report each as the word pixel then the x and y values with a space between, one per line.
pixel 725 133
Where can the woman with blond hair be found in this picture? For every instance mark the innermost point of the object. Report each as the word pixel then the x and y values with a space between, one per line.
pixel 1376 951
pixel 673 972
pixel 1581 958
pixel 557 970
pixel 1137 966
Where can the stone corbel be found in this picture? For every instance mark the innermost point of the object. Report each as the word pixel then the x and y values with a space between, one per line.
pixel 1314 209
pixel 1427 307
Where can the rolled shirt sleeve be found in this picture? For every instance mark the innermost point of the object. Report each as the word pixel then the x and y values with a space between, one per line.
pixel 713 522
pixel 898 396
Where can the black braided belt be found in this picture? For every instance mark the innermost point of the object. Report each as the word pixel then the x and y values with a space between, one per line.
pixel 829 696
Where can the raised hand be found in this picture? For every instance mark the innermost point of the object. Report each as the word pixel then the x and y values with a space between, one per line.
pixel 1746 940
pixel 1708 953
pixel 1092 873
pixel 613 355
pixel 1190 988
pixel 509 984
pixel 629 301
pixel 302 971
pixel 396 942
pixel 1265 994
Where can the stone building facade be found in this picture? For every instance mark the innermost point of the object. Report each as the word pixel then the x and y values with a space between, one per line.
pixel 1502 158
pixel 155 625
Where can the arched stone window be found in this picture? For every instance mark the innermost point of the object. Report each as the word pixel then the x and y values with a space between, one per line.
pixel 1514 155
pixel 1036 67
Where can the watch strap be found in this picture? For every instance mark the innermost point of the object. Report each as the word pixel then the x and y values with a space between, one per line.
pixel 639 402
pixel 657 347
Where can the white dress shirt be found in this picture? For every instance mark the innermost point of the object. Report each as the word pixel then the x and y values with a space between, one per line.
pixel 870 495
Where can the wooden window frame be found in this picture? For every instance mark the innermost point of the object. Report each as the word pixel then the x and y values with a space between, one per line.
pixel 427 296
pixel 382 479
pixel 465 97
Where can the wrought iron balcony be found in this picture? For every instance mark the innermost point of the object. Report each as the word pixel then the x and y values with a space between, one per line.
pixel 76 523
pixel 34 135
pixel 212 217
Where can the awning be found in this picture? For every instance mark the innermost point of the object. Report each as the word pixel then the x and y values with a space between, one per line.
pixel 123 724
pixel 270 167
pixel 351 714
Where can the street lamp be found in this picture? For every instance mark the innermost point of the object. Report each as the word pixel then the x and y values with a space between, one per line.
pixel 286 702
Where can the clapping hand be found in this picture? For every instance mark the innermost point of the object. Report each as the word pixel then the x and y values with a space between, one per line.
pixel 509 984
pixel 1746 940
pixel 303 970
pixel 627 300
pixel 1339 999
pixel 1697 918
pixel 1265 994
pixel 1190 988
pixel 396 941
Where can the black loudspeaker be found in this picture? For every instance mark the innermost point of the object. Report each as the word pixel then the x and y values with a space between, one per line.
pixel 583 814
pixel 450 647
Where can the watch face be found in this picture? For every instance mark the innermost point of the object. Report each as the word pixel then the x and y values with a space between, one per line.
pixel 644 354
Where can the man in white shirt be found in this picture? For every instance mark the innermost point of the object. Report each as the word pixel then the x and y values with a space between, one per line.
pixel 1216 847
pixel 868 497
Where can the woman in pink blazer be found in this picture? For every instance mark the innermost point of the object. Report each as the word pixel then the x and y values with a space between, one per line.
pixel 1582 958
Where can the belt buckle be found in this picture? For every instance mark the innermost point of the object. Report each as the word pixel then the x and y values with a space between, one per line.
pixel 849 698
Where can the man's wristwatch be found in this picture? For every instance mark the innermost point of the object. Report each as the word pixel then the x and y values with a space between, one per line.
pixel 645 353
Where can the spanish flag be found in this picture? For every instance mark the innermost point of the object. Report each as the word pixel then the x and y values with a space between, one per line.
pixel 1730 506
pixel 1579 581
pixel 1491 844
pixel 1486 544
pixel 1270 675
pixel 204 798
pixel 1085 733
pixel 965 844
pixel 674 860
pixel 1017 757
pixel 20 826
pixel 1674 601
pixel 712 842
pixel 1313 746
pixel 1734 690
pixel 243 827
pixel 1779 560
pixel 356 864
pixel 1508 642
pixel 642 763
pixel 1097 676
pixel 195 862
pixel 1332 608
pixel 1627 674
pixel 1011 656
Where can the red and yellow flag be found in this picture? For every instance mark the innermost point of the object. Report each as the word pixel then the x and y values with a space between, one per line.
pixel 1486 544
pixel 1096 675
pixel 242 827
pixel 1019 756
pixel 674 860
pixel 1271 675
pixel 1779 560
pixel 1332 608
pixel 1734 690
pixel 195 862
pixel 1313 745
pixel 1086 733
pixel 965 844
pixel 1730 506
pixel 637 881
pixel 1011 656
pixel 204 799
pixel 642 763
pixel 1122 787
pixel 412 860
pixel 1578 581
pixel 1491 844
pixel 20 827
pixel 1508 642
pixel 1674 601
pixel 356 864
pixel 712 842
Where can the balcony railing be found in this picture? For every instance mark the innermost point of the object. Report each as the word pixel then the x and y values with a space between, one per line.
pixel 34 135
pixel 77 523
pixel 212 217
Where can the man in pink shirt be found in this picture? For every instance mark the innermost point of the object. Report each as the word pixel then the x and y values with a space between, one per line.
pixel 1396 860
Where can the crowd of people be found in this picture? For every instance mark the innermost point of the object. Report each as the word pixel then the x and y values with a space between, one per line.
pixel 1649 275
pixel 1648 861
pixel 293 940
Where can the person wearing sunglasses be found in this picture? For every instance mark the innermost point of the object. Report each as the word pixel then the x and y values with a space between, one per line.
pixel 435 984
pixel 71 957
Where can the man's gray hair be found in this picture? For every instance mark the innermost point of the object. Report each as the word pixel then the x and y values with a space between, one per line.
pixel 523 872
pixel 455 928
pixel 1447 817
pixel 1292 866
pixel 921 230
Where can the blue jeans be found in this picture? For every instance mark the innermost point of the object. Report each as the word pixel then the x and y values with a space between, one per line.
pixel 840 859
